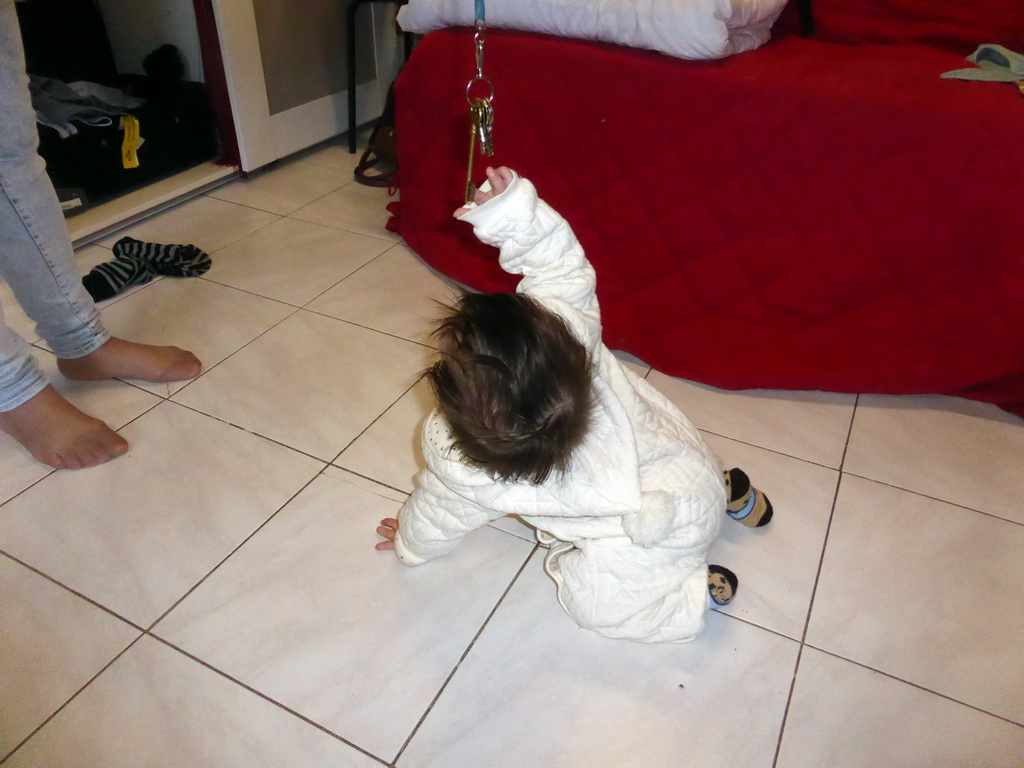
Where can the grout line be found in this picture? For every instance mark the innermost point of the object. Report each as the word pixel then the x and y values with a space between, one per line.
pixel 369 479
pixel 230 554
pixel 73 591
pixel 751 623
pixel 367 327
pixel 377 418
pixel 465 653
pixel 814 589
pixel 213 281
pixel 789 703
pixel 916 685
pixel 73 696
pixel 235 352
pixel 935 499
pixel 353 273
pixel 265 697
pixel 770 450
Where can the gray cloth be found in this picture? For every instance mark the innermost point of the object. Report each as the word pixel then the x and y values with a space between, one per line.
pixel 995 64
pixel 57 103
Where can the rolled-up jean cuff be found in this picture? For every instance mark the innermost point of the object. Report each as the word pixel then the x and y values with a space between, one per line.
pixel 21 383
pixel 82 343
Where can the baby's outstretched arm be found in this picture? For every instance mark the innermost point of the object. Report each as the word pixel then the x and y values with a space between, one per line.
pixel 500 178
pixel 537 243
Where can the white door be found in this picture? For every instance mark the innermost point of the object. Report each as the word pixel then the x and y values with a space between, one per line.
pixel 285 66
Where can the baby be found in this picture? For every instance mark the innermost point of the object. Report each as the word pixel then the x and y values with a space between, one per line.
pixel 535 417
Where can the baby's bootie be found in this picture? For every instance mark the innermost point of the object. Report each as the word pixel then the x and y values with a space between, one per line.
pixel 722 584
pixel 746 504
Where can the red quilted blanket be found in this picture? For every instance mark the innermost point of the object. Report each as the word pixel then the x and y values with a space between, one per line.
pixel 809 215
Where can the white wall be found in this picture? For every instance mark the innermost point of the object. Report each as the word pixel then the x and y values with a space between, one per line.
pixel 138 27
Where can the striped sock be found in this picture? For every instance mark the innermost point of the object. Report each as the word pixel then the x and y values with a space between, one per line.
pixel 110 278
pixel 169 260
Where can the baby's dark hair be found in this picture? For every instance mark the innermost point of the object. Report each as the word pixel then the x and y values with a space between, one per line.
pixel 514 384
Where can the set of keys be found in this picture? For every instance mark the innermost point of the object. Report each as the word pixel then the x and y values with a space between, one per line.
pixel 481 118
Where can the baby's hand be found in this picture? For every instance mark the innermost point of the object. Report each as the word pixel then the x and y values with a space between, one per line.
pixel 500 178
pixel 388 528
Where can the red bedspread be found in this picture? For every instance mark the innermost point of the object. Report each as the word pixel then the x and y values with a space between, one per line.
pixel 804 216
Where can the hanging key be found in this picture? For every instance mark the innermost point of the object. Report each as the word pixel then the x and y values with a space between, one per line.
pixel 481 118
pixel 475 118
pixel 484 127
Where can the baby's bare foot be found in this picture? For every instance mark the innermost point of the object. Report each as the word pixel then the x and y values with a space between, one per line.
pixel 120 359
pixel 56 433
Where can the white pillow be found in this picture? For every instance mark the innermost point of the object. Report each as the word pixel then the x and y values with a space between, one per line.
pixel 689 29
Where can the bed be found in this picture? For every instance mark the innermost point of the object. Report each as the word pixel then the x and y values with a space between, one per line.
pixel 815 213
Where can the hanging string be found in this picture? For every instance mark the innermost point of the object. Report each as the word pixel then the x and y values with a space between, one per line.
pixel 481 112
pixel 478 45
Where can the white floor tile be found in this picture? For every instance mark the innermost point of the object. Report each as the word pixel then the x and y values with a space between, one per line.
pixel 312 382
pixel 389 450
pixel 136 533
pixel 515 526
pixel 849 716
pixel 395 293
pixel 157 708
pixel 113 402
pixel 355 208
pixel 807 425
pixel 282 189
pixel 537 690
pixel 926 592
pixel 777 564
pixel 333 155
pixel 210 320
pixel 52 643
pixel 206 222
pixel 372 486
pixel 293 261
pixel 956 450
pixel 310 614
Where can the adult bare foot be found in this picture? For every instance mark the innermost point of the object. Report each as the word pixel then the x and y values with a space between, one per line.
pixel 56 433
pixel 120 359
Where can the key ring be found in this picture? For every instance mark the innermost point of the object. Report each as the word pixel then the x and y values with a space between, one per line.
pixel 474 81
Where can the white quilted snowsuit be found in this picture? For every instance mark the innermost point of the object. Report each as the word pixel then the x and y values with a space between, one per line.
pixel 630 524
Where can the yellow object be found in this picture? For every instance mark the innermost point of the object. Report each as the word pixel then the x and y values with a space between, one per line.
pixel 131 142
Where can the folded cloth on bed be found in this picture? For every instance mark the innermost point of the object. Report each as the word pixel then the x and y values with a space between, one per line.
pixel 688 29
pixel 995 64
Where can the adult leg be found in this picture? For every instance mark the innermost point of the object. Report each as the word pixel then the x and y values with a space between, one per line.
pixel 37 261
pixel 54 431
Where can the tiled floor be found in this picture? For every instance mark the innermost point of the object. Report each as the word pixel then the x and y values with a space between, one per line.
pixel 214 599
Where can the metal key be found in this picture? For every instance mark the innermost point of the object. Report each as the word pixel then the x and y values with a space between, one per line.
pixel 484 127
pixel 475 118
pixel 481 118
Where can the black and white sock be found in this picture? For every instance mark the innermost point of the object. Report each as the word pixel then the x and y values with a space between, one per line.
pixel 110 278
pixel 168 260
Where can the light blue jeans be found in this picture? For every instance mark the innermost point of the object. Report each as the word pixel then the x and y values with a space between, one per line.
pixel 36 258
